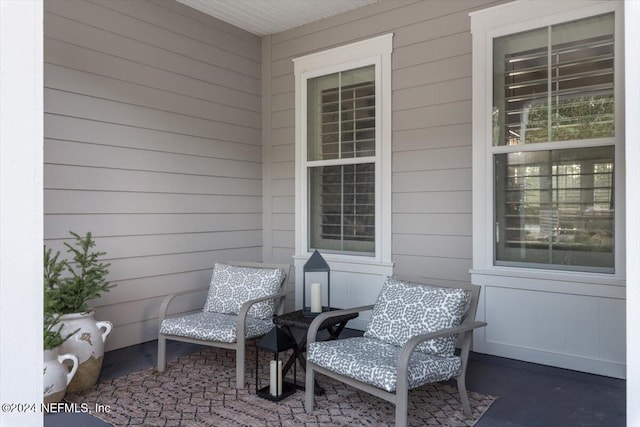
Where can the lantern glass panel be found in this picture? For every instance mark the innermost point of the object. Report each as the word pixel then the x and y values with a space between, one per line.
pixel 316 285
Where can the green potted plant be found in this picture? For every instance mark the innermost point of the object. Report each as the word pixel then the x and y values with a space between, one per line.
pixel 56 375
pixel 68 286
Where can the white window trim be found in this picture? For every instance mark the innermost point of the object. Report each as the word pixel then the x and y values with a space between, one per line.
pixel 485 26
pixel 374 51
pixel 632 64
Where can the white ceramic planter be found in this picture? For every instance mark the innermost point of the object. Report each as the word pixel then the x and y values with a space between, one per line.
pixel 87 344
pixel 56 375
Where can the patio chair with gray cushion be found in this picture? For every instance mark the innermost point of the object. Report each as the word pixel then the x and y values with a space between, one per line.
pixel 240 304
pixel 410 341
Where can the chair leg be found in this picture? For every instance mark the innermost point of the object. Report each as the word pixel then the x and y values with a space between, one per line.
pixel 464 399
pixel 402 400
pixel 162 353
pixel 309 388
pixel 240 368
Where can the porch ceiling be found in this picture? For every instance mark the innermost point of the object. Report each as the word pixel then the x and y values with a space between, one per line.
pixel 264 17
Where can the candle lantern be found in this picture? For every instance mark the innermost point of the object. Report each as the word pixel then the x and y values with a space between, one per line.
pixel 316 284
pixel 275 342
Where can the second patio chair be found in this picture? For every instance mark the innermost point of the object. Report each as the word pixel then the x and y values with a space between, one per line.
pixel 410 341
pixel 240 304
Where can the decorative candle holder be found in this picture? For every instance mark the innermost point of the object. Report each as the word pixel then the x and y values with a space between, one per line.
pixel 315 265
pixel 275 342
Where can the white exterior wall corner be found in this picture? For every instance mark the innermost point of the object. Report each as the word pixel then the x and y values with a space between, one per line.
pixel 632 85
pixel 21 212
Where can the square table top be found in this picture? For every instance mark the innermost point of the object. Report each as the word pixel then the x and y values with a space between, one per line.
pixel 299 320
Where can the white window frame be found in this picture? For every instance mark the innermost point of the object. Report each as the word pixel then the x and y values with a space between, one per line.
pixel 374 51
pixel 516 17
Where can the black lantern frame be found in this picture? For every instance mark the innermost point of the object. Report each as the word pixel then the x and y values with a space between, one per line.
pixel 275 342
pixel 315 264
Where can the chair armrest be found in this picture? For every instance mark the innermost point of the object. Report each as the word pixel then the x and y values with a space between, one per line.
pixel 244 310
pixel 164 305
pixel 319 320
pixel 409 347
pixel 414 341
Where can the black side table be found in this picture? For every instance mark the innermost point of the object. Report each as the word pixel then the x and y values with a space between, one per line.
pixel 296 319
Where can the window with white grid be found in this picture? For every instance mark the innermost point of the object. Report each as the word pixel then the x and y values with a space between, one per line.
pixel 341 157
pixel 553 145
pixel 343 151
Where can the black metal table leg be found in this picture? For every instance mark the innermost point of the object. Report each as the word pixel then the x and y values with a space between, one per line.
pixel 296 319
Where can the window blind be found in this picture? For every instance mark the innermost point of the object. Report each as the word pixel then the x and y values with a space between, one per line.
pixel 348 191
pixel 555 207
pixel 558 202
pixel 562 91
pixel 341 156
pixel 348 121
pixel 348 202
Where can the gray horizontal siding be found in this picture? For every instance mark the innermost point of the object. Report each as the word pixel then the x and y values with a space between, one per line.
pixel 128 270
pixel 426 201
pixel 98 86
pixel 100 178
pixel 432 180
pixel 108 157
pixel 433 224
pixel 148 140
pixel 64 103
pixel 136 246
pixel 77 32
pixel 434 269
pixel 152 75
pixel 431 128
pixel 129 224
pixel 80 202
pixel 153 143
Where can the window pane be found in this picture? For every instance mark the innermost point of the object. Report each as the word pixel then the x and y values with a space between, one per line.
pixel 556 208
pixel 582 80
pixel 342 208
pixel 554 83
pixel 341 115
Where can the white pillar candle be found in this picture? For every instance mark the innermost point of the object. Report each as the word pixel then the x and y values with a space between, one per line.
pixel 316 298
pixel 275 377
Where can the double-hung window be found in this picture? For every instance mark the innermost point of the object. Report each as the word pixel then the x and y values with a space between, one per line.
pixel 552 145
pixel 548 182
pixel 343 150
pixel 341 161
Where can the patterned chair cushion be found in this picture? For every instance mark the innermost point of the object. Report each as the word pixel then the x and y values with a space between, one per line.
pixel 213 326
pixel 374 362
pixel 404 310
pixel 231 286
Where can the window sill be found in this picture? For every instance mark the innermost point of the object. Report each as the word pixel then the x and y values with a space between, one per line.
pixel 578 283
pixel 355 264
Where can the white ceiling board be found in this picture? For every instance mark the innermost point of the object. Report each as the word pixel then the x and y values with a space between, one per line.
pixel 264 17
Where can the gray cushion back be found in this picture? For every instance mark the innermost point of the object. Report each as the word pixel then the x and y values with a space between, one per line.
pixel 231 286
pixel 406 309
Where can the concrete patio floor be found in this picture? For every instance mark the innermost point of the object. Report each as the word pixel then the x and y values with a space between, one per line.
pixel 529 395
